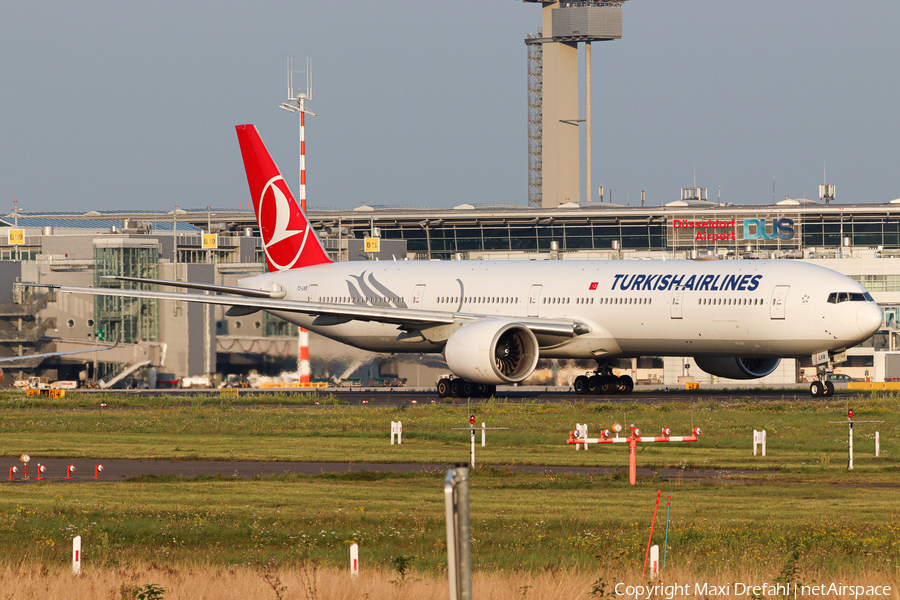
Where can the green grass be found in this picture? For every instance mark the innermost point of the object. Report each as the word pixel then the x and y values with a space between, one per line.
pixel 518 521
pixel 802 442
pixel 789 502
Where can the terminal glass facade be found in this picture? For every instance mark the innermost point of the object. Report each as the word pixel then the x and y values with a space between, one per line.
pixel 444 240
pixel 821 229
pixel 119 319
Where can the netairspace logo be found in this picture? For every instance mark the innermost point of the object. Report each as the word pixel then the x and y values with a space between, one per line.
pixel 790 590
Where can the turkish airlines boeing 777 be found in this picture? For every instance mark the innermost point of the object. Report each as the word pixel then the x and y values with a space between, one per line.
pixel 493 320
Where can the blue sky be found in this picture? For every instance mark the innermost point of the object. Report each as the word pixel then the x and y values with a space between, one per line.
pixel 133 105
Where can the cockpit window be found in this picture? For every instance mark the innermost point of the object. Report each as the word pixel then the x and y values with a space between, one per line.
pixel 838 297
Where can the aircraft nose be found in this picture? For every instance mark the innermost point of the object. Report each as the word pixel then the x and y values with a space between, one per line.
pixel 869 318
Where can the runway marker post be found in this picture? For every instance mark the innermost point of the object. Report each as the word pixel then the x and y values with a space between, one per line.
pixel 24 458
pixel 76 555
pixel 581 432
pixel 654 561
pixel 759 439
pixel 354 559
pixel 397 430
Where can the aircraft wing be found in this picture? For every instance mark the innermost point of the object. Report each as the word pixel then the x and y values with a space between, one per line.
pixel 208 287
pixel 328 314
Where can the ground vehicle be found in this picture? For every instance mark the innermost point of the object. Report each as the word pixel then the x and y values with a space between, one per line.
pixel 840 378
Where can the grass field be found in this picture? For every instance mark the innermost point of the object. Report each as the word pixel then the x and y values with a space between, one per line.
pixel 801 515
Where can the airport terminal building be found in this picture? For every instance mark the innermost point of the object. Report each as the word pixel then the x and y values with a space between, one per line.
pixel 861 241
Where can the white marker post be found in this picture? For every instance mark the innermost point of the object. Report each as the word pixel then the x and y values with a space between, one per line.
pixel 482 433
pixel 877 445
pixel 581 428
pixel 76 555
pixel 654 561
pixel 759 438
pixel 850 464
pixel 397 430
pixel 354 559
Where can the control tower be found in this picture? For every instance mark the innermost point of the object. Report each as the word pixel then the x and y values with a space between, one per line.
pixel 553 115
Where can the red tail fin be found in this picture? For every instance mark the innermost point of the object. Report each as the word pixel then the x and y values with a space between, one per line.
pixel 288 238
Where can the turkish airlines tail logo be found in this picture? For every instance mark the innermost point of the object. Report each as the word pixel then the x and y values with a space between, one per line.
pixel 288 239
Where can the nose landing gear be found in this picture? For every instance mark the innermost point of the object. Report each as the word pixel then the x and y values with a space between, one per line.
pixel 821 387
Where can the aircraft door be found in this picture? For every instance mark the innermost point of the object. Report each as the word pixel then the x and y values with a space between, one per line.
pixel 779 299
pixel 312 292
pixel 418 295
pixel 677 300
pixel 534 300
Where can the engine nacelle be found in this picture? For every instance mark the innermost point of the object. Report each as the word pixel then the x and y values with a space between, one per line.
pixel 492 352
pixel 737 368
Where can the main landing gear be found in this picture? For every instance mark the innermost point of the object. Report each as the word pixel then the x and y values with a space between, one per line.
pixel 603 382
pixel 454 387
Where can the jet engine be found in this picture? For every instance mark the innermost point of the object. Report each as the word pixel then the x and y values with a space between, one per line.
pixel 737 368
pixel 492 352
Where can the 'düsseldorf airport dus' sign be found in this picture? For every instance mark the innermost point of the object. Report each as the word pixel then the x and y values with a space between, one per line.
pixel 716 230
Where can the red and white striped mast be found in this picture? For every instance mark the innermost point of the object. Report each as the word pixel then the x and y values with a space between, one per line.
pixel 297 104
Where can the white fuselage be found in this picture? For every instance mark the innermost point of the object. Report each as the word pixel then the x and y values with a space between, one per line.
pixel 740 308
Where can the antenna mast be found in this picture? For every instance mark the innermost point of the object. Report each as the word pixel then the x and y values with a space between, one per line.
pixel 297 103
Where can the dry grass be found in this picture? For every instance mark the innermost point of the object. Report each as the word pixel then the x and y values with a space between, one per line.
pixel 308 583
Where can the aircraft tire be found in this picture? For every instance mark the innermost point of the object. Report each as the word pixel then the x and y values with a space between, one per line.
pixel 593 384
pixel 581 385
pixel 488 390
pixel 443 388
pixel 829 389
pixel 625 384
pixel 817 389
pixel 608 385
pixel 456 388
pixel 470 390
